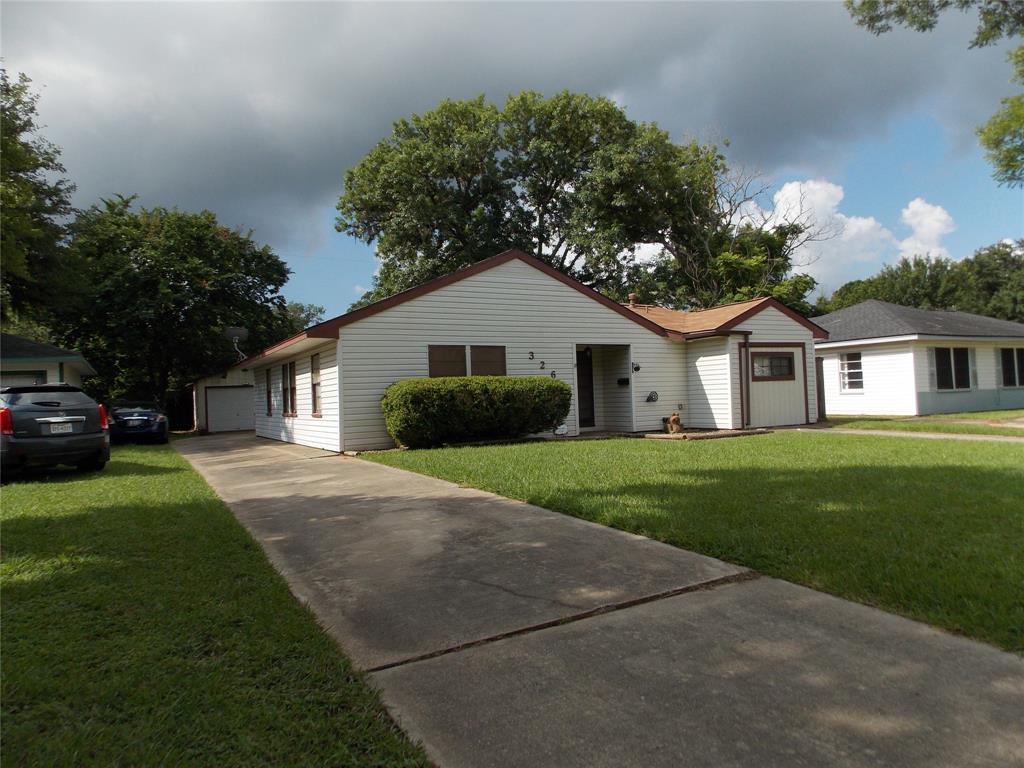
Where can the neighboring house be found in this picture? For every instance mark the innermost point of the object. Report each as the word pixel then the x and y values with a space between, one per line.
pixel 224 402
pixel 23 361
pixel 885 359
pixel 629 366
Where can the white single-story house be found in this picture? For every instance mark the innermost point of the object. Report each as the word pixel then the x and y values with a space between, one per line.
pixel 23 361
pixel 884 359
pixel 224 402
pixel 629 366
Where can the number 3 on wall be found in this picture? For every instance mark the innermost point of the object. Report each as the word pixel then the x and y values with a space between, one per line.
pixel 531 355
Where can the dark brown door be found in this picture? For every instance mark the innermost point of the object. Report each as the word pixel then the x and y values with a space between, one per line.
pixel 585 386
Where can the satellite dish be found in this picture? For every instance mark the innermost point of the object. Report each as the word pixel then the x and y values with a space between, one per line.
pixel 235 335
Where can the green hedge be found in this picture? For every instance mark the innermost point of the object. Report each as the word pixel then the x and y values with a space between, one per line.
pixel 451 409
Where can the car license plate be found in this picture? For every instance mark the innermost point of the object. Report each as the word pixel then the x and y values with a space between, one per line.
pixel 135 422
pixel 59 429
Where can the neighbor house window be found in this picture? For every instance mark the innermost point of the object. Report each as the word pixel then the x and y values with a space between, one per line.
pixel 288 389
pixel 314 378
pixel 952 368
pixel 773 366
pixel 487 361
pixel 270 395
pixel 851 374
pixel 1012 362
pixel 446 360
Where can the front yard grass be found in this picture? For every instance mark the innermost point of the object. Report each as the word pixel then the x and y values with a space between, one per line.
pixel 973 423
pixel 143 626
pixel 934 531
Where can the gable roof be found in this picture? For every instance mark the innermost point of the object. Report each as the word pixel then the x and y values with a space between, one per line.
pixel 329 328
pixel 22 350
pixel 664 322
pixel 873 319
pixel 717 320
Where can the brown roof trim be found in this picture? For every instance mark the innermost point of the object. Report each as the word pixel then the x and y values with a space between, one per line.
pixel 816 330
pixel 329 328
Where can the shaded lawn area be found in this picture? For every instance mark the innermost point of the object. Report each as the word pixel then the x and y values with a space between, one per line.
pixel 143 626
pixel 973 423
pixel 934 531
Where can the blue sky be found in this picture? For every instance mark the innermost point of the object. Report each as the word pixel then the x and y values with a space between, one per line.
pixel 255 111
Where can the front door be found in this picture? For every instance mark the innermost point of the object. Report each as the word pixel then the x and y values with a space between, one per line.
pixel 585 386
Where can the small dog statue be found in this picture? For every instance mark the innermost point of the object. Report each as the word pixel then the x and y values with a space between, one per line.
pixel 673 424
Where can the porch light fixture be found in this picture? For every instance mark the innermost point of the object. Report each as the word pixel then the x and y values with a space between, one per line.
pixel 636 367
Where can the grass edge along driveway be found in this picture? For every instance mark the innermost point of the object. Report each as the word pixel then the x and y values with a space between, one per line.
pixel 971 423
pixel 931 531
pixel 143 626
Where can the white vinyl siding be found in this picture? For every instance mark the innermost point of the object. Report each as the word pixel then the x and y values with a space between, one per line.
pixel 888 375
pixel 233 377
pixel 18 373
pixel 303 428
pixel 709 367
pixel 512 305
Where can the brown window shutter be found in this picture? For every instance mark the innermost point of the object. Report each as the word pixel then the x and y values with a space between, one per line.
pixel 487 361
pixel 446 360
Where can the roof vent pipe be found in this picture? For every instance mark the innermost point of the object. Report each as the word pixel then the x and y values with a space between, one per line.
pixel 632 299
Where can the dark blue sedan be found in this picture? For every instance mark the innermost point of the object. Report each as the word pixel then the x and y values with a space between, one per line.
pixel 138 420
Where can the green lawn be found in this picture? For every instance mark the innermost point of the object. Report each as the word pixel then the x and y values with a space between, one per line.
pixel 975 423
pixel 143 626
pixel 932 530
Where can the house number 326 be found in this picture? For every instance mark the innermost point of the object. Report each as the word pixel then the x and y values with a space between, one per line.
pixel 543 365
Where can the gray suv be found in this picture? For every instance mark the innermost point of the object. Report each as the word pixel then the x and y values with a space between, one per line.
pixel 49 424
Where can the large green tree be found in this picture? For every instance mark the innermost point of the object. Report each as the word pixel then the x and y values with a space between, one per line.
pixel 1003 135
pixel 991 283
pixel 155 290
pixel 573 181
pixel 34 199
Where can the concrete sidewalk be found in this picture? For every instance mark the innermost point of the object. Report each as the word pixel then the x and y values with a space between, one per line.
pixel 502 634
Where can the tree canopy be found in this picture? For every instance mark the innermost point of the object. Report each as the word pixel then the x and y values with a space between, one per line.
pixel 155 289
pixel 1003 135
pixel 996 18
pixel 991 283
pixel 575 182
pixel 34 198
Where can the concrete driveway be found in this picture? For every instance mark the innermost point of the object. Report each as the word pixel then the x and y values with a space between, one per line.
pixel 502 634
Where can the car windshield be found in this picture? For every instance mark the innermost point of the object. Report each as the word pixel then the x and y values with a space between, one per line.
pixel 55 397
pixel 135 405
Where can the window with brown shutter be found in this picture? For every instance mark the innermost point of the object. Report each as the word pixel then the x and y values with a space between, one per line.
pixel 289 390
pixel 314 377
pixel 446 360
pixel 270 396
pixel 487 361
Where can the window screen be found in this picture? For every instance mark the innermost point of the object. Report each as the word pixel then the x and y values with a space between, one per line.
pixel 487 361
pixel 446 360
pixel 772 366
pixel 270 395
pixel 952 368
pixel 1012 363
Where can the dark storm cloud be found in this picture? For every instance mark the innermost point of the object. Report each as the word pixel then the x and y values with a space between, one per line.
pixel 256 110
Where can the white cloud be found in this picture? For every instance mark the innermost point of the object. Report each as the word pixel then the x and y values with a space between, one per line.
pixel 360 289
pixel 853 247
pixel 928 224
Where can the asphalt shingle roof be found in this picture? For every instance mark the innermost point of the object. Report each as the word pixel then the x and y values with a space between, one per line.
pixel 16 347
pixel 874 319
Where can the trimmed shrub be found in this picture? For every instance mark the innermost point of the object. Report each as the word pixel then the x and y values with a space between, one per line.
pixel 450 409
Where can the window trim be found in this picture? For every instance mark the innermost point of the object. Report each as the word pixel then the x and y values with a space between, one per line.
pixel 772 353
pixel 270 391
pixel 845 371
pixel 315 385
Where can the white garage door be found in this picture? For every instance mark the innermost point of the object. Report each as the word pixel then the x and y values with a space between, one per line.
pixel 229 409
